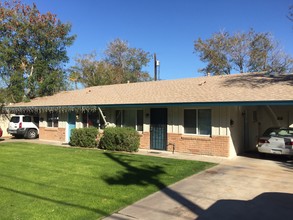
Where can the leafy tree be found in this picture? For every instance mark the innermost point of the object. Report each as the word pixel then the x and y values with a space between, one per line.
pixel 266 54
pixel 74 77
pixel 213 51
pixel 259 48
pixel 237 49
pixel 2 95
pixel 242 52
pixel 119 65
pixel 129 60
pixel 91 72
pixel 32 51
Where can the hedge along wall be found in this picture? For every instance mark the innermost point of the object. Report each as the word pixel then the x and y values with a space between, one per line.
pixel 84 137
pixel 120 139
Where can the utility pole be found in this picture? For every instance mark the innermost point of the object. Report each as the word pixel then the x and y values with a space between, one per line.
pixel 155 67
pixel 157 70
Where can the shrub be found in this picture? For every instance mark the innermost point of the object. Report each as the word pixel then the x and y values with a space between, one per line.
pixel 84 137
pixel 120 139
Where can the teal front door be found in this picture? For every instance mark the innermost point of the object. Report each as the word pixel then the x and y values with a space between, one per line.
pixel 71 123
pixel 158 128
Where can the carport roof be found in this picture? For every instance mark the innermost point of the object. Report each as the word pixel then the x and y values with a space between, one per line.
pixel 236 89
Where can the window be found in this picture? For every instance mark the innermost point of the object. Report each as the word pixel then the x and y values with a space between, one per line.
pixel 14 119
pixel 139 120
pixel 27 119
pixel 119 121
pixel 52 119
pixel 92 119
pixel 197 121
pixel 130 118
pixel 190 121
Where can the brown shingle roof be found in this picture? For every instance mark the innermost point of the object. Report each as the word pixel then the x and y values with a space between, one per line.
pixel 250 87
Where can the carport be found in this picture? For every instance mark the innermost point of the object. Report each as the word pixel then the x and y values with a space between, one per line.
pixel 256 119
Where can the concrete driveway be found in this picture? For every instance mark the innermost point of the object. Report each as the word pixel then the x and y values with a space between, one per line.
pixel 240 188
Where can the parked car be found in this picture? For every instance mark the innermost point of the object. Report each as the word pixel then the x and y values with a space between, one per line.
pixel 1 132
pixel 23 126
pixel 276 140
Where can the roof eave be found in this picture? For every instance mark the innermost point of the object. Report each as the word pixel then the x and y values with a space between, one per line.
pixel 140 105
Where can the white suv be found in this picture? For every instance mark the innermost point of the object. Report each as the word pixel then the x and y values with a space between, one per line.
pixel 23 126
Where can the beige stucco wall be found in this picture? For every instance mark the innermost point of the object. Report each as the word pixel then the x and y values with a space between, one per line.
pixel 43 120
pixel 252 114
pixel 275 116
pixel 4 124
pixel 235 129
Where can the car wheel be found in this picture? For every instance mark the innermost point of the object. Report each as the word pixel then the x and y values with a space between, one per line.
pixel 32 134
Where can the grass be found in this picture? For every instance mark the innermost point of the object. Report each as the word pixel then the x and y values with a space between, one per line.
pixel 49 182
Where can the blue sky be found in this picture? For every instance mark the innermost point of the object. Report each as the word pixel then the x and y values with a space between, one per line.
pixel 167 27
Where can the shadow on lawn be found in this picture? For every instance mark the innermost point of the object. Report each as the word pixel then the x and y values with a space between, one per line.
pixel 54 187
pixel 145 176
pixel 54 200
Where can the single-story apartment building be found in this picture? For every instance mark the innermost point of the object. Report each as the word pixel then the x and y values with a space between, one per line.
pixel 214 115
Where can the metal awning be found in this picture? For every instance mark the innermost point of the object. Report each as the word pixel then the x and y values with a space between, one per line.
pixel 83 108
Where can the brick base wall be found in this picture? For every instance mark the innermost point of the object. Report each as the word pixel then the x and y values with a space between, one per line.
pixel 145 140
pixel 52 134
pixel 213 146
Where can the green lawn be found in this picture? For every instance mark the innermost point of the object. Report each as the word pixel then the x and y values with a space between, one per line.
pixel 49 182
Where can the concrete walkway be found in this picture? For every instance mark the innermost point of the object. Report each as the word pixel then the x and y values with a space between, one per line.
pixel 240 188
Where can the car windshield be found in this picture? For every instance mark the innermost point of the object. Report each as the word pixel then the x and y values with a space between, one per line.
pixel 14 119
pixel 285 132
